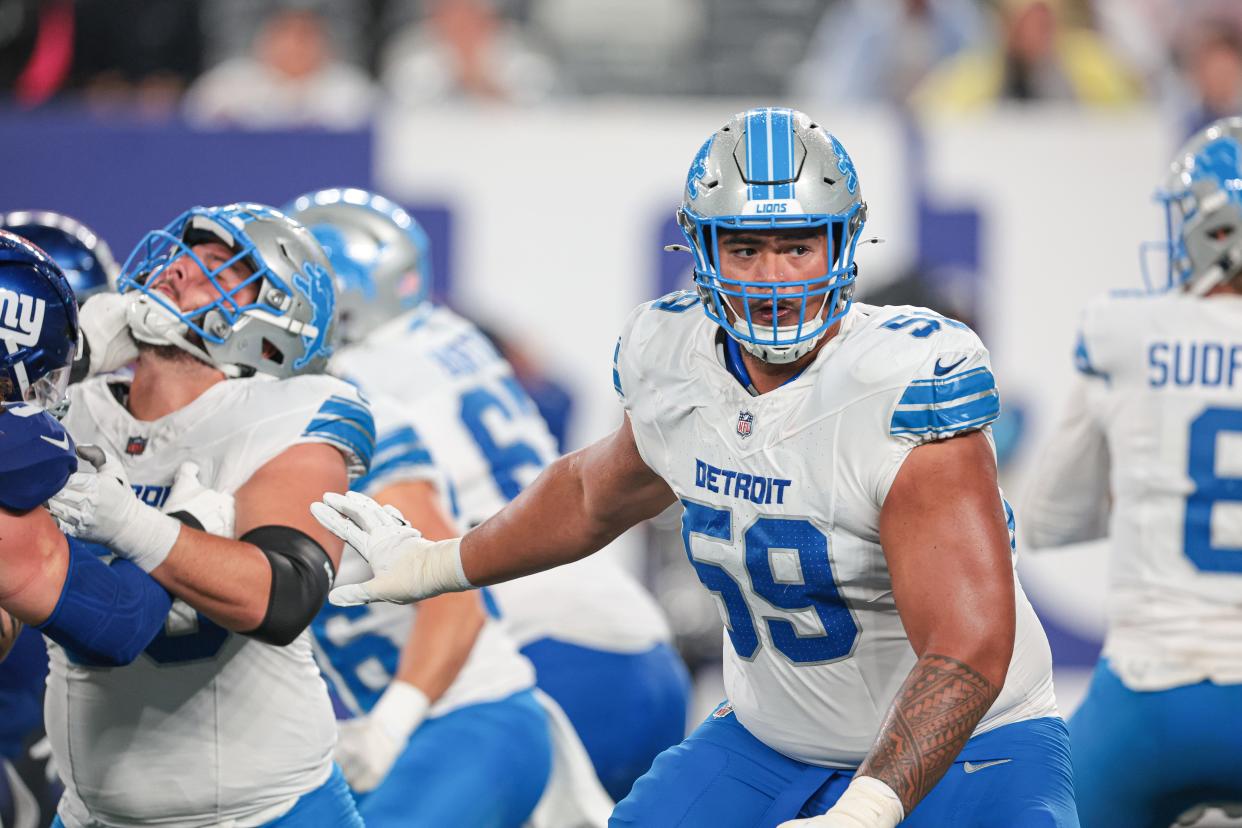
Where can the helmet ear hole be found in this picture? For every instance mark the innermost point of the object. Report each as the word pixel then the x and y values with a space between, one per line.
pixel 272 353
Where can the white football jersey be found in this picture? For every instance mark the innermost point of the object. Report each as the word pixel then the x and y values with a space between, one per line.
pixel 1157 425
pixel 359 647
pixel 206 727
pixel 782 495
pixel 485 434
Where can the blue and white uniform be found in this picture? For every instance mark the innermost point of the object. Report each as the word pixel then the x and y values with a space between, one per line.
pixel 482 755
pixel 205 727
pixel 599 642
pixel 782 495
pixel 1156 426
pixel 36 458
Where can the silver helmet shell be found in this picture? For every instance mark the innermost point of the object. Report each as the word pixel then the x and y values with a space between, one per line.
pixel 1202 197
pixel 773 169
pixel 288 327
pixel 379 253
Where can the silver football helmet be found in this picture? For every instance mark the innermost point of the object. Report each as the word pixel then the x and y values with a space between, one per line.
pixel 1202 198
pixel 286 329
pixel 773 169
pixel 379 252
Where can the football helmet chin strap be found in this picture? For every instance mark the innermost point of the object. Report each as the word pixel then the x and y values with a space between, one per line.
pixel 152 323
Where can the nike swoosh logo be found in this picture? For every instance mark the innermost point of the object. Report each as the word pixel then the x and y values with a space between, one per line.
pixel 62 443
pixel 974 767
pixel 941 370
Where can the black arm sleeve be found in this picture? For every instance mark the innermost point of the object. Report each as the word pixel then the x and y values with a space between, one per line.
pixel 302 574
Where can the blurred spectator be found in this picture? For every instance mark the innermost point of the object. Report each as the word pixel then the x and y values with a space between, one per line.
pixel 1211 59
pixel 291 79
pixel 878 51
pixel 1038 57
pixel 229 26
pixel 465 49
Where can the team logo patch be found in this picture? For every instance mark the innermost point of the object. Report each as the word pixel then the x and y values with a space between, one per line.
pixel 136 445
pixel 745 423
pixel 21 318
pixel 722 711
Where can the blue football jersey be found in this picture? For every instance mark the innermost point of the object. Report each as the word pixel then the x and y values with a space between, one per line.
pixel 36 457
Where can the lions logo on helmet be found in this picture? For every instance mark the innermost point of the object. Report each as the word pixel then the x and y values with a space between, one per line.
pixel 379 253
pixel 773 169
pixel 1203 208
pixel 287 329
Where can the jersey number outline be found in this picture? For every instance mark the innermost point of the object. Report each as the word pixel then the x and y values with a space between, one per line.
pixel 1210 489
pixel 503 460
pixel 817 589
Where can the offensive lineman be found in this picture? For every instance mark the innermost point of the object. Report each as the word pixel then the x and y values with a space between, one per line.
pixel 224 718
pixel 835 466
pixel 1152 426
pixel 598 641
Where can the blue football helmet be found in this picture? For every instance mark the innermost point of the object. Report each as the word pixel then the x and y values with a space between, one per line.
pixel 84 258
pixel 1202 200
pixel 286 328
pixel 380 253
pixel 38 325
pixel 773 169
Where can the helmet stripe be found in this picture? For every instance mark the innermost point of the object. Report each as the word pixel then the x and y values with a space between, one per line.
pixel 781 143
pixel 756 151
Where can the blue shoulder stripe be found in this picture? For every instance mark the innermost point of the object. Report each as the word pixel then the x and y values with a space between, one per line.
pixel 1082 359
pixel 397 449
pixel 616 370
pixel 944 405
pixel 348 424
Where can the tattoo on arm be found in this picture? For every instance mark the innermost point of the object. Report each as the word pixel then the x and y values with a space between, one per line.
pixel 932 717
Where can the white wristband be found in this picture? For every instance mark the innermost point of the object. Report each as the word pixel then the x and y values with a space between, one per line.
pixel 442 568
pixel 148 539
pixel 400 710
pixel 871 802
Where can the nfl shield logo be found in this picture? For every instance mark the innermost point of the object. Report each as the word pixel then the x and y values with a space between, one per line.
pixel 136 445
pixel 745 423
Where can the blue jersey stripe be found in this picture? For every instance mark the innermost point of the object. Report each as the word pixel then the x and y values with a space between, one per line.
pixel 943 420
pixel 405 437
pixel 357 437
pixel 616 370
pixel 947 389
pixel 782 152
pixel 419 459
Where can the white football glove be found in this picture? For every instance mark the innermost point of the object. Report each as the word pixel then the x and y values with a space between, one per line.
pixel 367 747
pixel 97 505
pixel 213 510
pixel 406 567
pixel 105 327
pixel 866 803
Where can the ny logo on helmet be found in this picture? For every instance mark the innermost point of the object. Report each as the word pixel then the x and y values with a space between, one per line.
pixel 21 317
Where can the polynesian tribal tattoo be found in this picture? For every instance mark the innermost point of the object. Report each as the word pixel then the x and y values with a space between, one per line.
pixel 932 717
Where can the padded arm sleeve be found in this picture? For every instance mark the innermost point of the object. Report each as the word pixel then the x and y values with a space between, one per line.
pixel 302 574
pixel 107 613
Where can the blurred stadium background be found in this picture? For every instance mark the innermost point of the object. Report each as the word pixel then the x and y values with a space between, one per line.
pixel 1008 151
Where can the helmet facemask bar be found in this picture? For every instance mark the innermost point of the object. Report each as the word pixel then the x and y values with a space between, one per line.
pixel 821 301
pixel 159 249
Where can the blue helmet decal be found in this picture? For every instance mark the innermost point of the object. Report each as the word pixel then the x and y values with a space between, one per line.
pixel 1221 162
pixel 353 272
pixel 315 283
pixel 698 168
pixel 845 164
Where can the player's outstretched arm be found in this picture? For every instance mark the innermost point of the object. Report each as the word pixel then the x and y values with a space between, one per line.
pixel 945 537
pixel 576 506
pixel 434 652
pixel 1067 501
pixel 269 582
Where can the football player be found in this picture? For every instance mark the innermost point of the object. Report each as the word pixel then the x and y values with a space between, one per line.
pixel 223 717
pixel 839 488
pixel 87 262
pixel 1148 453
pixel 598 641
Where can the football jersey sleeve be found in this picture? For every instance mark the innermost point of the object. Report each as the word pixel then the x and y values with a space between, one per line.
pixel 633 386
pixel 401 455
pixel 951 391
pixel 344 421
pixel 37 457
